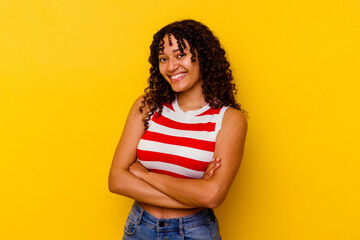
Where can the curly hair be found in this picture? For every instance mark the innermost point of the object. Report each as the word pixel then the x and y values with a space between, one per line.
pixel 218 89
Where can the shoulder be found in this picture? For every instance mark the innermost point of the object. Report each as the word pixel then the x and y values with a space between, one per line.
pixel 135 109
pixel 234 119
pixel 140 103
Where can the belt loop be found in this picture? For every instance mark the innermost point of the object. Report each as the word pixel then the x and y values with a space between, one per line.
pixel 140 216
pixel 181 227
pixel 157 228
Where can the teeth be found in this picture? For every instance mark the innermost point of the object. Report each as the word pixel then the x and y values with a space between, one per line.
pixel 177 76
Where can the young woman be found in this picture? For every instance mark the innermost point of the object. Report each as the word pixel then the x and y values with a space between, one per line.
pixel 185 126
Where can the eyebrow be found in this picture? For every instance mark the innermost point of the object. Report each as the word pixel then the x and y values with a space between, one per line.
pixel 175 50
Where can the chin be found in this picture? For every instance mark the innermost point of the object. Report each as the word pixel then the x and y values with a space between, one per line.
pixel 178 89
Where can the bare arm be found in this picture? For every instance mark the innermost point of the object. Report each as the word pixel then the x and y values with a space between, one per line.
pixel 208 192
pixel 121 181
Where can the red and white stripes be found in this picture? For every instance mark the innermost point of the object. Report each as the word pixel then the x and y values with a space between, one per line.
pixel 180 144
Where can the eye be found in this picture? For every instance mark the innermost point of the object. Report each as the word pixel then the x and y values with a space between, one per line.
pixel 181 55
pixel 162 59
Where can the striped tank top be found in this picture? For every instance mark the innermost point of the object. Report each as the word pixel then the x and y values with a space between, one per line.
pixel 180 144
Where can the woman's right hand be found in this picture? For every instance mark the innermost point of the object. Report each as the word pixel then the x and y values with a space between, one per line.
pixel 211 168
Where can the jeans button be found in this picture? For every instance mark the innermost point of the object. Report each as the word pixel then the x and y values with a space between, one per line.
pixel 161 224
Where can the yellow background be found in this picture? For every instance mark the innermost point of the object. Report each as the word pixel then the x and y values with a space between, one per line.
pixel 70 70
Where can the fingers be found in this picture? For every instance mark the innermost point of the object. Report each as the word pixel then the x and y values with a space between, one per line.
pixel 215 164
pixel 211 173
pixel 208 175
pixel 211 168
pixel 215 160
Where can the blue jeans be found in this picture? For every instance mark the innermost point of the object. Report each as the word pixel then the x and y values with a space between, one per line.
pixel 141 225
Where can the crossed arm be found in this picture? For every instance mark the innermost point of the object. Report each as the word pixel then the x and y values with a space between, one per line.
pixel 127 177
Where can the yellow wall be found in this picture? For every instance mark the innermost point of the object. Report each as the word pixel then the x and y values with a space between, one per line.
pixel 70 70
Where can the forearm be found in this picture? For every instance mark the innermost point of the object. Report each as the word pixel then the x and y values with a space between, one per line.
pixel 193 192
pixel 126 184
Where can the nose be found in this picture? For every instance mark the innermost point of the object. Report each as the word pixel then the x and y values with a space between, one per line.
pixel 172 65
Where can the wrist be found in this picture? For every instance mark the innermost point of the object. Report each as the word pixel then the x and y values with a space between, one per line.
pixel 145 176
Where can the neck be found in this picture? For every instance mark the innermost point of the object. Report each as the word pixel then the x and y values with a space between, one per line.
pixel 190 101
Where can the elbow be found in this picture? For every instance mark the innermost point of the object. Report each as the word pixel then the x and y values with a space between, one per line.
pixel 116 188
pixel 214 198
pixel 214 203
pixel 112 186
pixel 115 185
pixel 116 182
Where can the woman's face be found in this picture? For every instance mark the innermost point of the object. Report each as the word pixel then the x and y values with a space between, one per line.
pixel 177 68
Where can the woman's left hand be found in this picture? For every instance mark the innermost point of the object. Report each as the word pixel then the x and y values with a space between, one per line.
pixel 137 169
pixel 211 168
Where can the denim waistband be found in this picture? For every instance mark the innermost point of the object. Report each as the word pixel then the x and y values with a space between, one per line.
pixel 168 224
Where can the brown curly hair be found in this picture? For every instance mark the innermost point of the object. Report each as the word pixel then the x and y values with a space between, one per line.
pixel 218 89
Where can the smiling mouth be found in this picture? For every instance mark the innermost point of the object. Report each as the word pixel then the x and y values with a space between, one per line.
pixel 178 77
